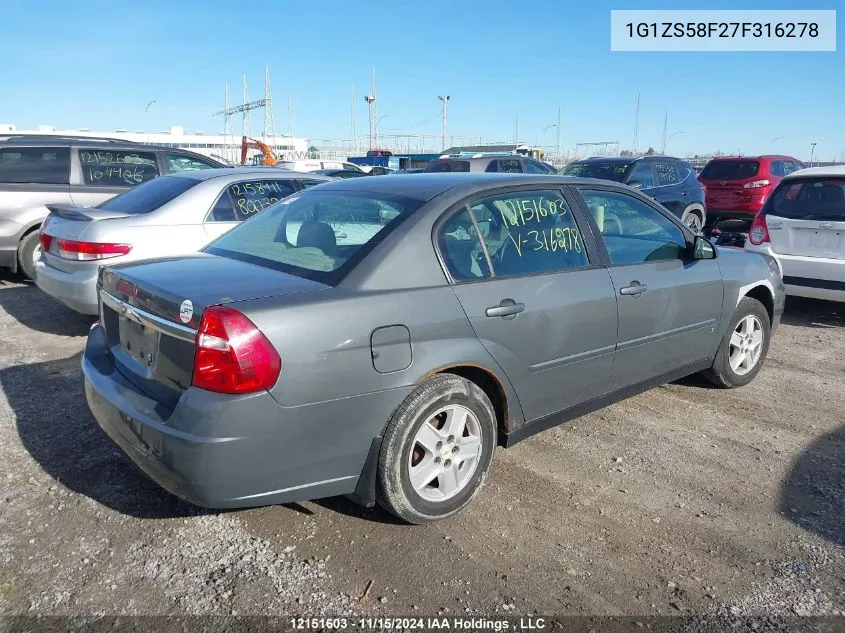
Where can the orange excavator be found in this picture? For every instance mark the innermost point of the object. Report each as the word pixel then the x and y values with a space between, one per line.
pixel 268 158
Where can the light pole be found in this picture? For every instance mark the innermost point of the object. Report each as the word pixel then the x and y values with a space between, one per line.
pixel 671 136
pixel 812 152
pixel 445 100
pixel 383 116
pixel 775 140
pixel 146 114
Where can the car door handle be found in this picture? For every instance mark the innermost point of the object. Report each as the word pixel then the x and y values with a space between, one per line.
pixel 507 308
pixel 636 288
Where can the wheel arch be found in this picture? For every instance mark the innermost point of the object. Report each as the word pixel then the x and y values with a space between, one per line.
pixel 763 293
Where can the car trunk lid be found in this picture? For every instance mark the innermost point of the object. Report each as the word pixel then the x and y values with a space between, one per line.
pixel 806 217
pixel 151 310
pixel 68 222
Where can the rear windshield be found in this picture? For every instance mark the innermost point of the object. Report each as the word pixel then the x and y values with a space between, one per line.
pixel 150 195
pixel 35 165
pixel 607 171
pixel 809 199
pixel 730 169
pixel 447 165
pixel 318 235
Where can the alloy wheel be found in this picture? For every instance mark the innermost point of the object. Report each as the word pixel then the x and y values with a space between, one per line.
pixel 746 345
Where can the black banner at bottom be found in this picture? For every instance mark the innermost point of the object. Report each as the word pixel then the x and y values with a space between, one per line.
pixel 422 624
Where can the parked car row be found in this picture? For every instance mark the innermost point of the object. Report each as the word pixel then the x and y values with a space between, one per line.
pixel 37 171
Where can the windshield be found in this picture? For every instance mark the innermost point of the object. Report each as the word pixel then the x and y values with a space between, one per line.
pixel 318 235
pixel 730 169
pixel 607 171
pixel 150 195
pixel 809 199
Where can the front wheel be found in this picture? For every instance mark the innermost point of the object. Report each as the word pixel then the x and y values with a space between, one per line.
pixel 744 346
pixel 437 450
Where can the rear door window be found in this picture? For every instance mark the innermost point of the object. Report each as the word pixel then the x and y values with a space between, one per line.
pixel 253 196
pixel 109 168
pixel 35 165
pixel 666 174
pixel 777 168
pixel 149 196
pixel 809 199
pixel 529 232
pixel 730 169
pixel 505 166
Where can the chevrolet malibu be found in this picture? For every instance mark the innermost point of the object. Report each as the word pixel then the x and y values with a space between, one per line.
pixel 379 337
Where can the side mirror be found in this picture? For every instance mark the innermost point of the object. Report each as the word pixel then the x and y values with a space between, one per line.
pixel 636 184
pixel 702 248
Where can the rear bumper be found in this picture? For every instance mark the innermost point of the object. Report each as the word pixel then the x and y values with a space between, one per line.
pixel 77 290
pixel 223 451
pixel 811 277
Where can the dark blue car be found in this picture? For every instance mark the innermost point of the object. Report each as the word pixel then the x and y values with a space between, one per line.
pixel 670 181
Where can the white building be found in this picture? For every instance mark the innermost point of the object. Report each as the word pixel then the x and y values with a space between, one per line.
pixel 213 145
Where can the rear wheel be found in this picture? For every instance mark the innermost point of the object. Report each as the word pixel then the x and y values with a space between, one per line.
pixel 694 219
pixel 744 346
pixel 437 449
pixel 26 254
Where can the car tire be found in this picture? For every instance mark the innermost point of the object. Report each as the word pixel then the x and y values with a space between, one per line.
pixel 693 218
pixel 727 371
pixel 418 443
pixel 26 253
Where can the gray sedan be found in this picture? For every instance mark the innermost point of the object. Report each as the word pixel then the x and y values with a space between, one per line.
pixel 170 215
pixel 378 337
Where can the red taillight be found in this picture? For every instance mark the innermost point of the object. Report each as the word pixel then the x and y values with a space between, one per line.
pixel 232 355
pixel 87 251
pixel 759 232
pixel 42 236
pixel 756 184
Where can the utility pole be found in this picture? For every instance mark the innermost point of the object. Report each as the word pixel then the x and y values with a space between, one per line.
pixel 269 124
pixel 665 126
pixel 371 103
pixel 445 100
pixel 636 142
pixel 812 152
pixel 516 131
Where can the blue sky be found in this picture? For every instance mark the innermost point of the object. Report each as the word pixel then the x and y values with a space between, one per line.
pixel 96 64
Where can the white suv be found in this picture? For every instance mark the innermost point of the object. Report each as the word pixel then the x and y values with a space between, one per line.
pixel 802 225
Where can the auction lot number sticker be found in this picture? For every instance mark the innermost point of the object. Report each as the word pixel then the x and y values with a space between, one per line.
pixel 684 30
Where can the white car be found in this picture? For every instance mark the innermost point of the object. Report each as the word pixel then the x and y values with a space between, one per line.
pixel 170 215
pixel 316 164
pixel 802 226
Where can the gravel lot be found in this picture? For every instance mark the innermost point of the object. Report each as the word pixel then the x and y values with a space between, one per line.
pixel 683 500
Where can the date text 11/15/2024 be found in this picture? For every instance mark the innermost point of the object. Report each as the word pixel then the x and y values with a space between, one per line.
pixel 455 623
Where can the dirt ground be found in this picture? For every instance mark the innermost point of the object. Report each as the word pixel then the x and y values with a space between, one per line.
pixel 682 500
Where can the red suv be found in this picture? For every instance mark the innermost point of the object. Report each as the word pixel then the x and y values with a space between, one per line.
pixel 736 187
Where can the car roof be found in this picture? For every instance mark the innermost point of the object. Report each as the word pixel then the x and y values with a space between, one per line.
pixel 425 186
pixel 241 172
pixel 25 140
pixel 624 160
pixel 760 157
pixel 830 170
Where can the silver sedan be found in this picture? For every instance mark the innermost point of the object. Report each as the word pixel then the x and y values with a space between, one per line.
pixel 171 215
